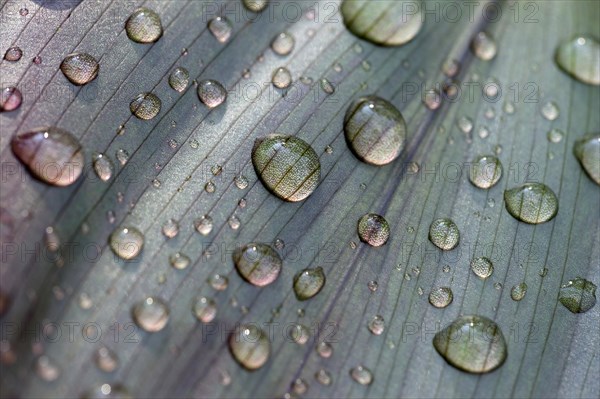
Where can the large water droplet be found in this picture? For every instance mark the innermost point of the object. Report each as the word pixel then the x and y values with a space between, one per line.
pixel 288 166
pixel 281 78
pixel 580 58
pixel 13 54
pixel 10 99
pixel 103 167
pixel 482 267
pixel 381 22
pixel 474 344
pixel 308 283
pixel 578 295
pixel 257 263
pixel 179 79
pixel 221 28
pixel 80 68
pixel 250 346
pixel 126 242
pixel 373 229
pixel 485 171
pixel 376 325
pixel 52 155
pixel 151 314
pixel 145 106
pixel 587 152
pixel 362 375
pixel 518 291
pixel 375 130
pixel 205 309
pixel 444 234
pixel 283 44
pixel 256 5
pixel 484 46
pixel 531 203
pixel 144 26
pixel 204 225
pixel 441 297
pixel 211 93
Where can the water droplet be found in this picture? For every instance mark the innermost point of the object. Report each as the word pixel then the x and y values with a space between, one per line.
pixel 46 369
pixel 205 309
pixel 531 203
pixel 373 229
pixel 257 263
pixel 474 344
pixel 179 79
pixel 80 68
pixel 444 234
pixel 107 391
pixel 587 152
pixel 37 60
pixel 326 86
pixel 13 54
pixel 308 283
pixel 52 155
pixel 489 113
pixel 234 222
pixel 441 297
pixel 555 135
pixel 145 106
pixel 375 130
pixel 221 28
pixel 324 349
pixel 23 12
pixel 287 166
pixel 218 282
pixel 373 285
pixel 451 67
pixel 498 286
pixel 298 333
pixel 204 225
pixel 85 302
pixel 256 5
pixel 338 67
pixel 366 65
pixel 543 272
pixel 209 187
pixel 578 295
pixel 465 124
pixel 483 132
pixel 126 242
pixel 144 26
pixel 518 291
pixel 179 261
pixel 103 167
pixel 482 267
pixel 281 78
pixel 240 181
pixel 10 99
pixel 550 110
pixel 110 216
pixel 580 58
pixel 250 346
pixel 194 144
pixel 151 314
pixel 170 228
pixel 122 156
pixel 307 80
pixel 484 46
pixel 283 44
pixel 383 23
pixel 300 386
pixel 376 325
pixel 362 375
pixel 211 93
pixel 156 183
pixel 446 269
pixel 485 171
pixel 106 360
pixel 432 99
pixel 323 377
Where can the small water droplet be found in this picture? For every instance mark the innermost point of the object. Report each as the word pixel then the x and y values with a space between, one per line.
pixel 308 283
pixel 531 203
pixel 170 228
pixel 287 166
pixel 194 144
pixel 484 46
pixel 366 65
pixel 543 272
pixel 103 167
pixel 221 28
pixel 483 132
pixel 151 314
pixel 209 187
pixel 307 80
pixel 498 286
pixel 204 225
pixel 218 282
pixel 509 107
pixel 441 297
pixel 37 60
pixel 234 222
pixel 578 295
pixel 240 181
pixel 80 68
pixel 337 67
pixel 465 124
pixel 300 386
pixel 444 234
pixel 376 325
pixel 489 113
pixel 250 346
pixel 255 5
pixel 283 44
pixel 587 152
pixel 550 110
pixel 47 369
pixel 122 156
pixel 179 261
pixel 451 67
pixel 373 285
pixel 85 302
pixel 555 135
pixel 324 349
pixel 326 86
pixel 580 58
pixel 205 309
pixel 432 99
pixel 106 360
pixel 126 242
pixel 110 216
pixel 145 106
pixel 298 333
pixel 13 54
pixel 144 26
pixel 485 171
pixel 373 229
pixel 518 291
pixel 362 375
pixel 10 99
pixel 375 130
pixel 281 78
pixel 211 93
pixel 23 12
pixel 257 263
pixel 482 267
pixel 474 344
pixel 446 269
pixel 323 377
pixel 52 155
pixel 179 79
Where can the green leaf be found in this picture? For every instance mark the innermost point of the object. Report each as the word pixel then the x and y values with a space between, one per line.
pixel 551 351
